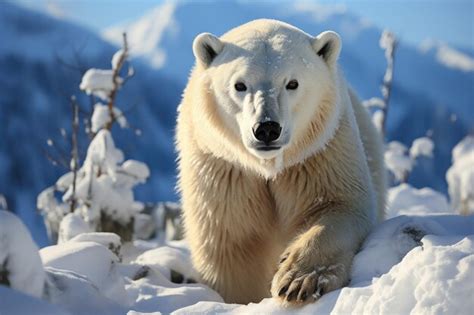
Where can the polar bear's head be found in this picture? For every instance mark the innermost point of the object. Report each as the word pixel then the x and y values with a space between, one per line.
pixel 271 83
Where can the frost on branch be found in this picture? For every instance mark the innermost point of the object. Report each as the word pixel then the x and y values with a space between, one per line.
pixel 460 177
pixel 20 263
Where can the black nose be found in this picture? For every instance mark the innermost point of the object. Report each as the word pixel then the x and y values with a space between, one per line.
pixel 267 131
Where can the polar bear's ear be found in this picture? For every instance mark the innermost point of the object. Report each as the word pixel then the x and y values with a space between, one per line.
pixel 206 47
pixel 328 46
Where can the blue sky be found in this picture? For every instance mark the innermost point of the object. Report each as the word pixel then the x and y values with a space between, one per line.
pixel 413 20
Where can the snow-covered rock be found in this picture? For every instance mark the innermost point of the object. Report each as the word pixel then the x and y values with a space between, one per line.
pixel 20 264
pixel 91 260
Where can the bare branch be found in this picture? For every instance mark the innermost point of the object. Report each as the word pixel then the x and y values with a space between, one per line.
pixel 74 150
pixel 117 81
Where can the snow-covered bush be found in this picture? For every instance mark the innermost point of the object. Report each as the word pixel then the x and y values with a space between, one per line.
pixel 97 195
pixel 460 177
pixel 20 263
pixel 400 161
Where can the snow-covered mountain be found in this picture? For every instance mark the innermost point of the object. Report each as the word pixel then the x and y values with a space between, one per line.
pixel 432 89
pixel 41 59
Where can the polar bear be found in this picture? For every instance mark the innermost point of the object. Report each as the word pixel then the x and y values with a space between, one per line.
pixel 280 168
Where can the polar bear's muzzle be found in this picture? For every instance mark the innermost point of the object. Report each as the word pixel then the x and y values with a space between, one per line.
pixel 267 132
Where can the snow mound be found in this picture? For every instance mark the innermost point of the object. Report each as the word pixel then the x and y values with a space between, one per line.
pixel 15 302
pixel 20 264
pixel 91 260
pixel 408 264
pixel 77 294
pixel 417 265
pixel 407 200
pixel 435 278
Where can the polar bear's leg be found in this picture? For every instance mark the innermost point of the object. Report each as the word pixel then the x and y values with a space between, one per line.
pixel 319 260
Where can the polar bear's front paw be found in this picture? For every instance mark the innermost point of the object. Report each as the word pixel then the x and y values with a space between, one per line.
pixel 297 283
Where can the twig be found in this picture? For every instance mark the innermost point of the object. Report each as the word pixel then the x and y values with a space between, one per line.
pixel 74 151
pixel 116 81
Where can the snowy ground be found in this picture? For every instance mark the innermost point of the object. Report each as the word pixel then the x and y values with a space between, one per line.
pixel 421 263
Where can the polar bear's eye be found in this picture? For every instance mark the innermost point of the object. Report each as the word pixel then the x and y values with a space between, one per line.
pixel 240 87
pixel 292 85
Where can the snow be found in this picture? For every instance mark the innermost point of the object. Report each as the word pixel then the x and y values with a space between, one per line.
pixel 435 278
pixel 91 260
pixel 422 147
pixel 117 57
pixel 20 264
pixel 101 117
pixel 460 177
pixel 407 200
pixel 98 82
pixel 397 161
pixel 72 224
pixel 413 263
pixel 76 294
pixel 148 33
pixel 448 56
pixel 377 119
pixel 110 240
pixel 374 102
pixel 16 302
